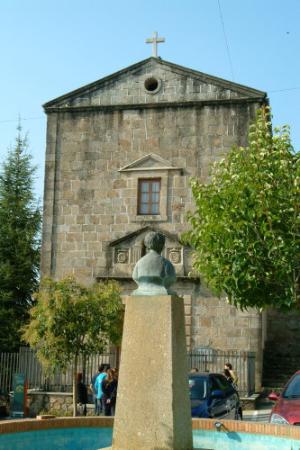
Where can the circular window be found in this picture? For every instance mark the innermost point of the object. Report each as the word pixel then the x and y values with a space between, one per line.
pixel 152 85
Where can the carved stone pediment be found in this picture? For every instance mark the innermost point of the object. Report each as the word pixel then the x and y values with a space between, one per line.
pixel 149 162
pixel 127 250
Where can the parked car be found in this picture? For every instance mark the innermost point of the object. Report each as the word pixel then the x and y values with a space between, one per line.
pixel 212 396
pixel 287 407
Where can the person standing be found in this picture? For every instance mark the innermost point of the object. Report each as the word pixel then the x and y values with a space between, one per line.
pixel 82 394
pixel 230 374
pixel 98 387
pixel 109 388
pixel 93 389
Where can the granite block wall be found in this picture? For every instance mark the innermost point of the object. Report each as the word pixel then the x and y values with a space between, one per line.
pixel 97 141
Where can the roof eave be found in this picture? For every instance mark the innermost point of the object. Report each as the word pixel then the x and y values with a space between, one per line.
pixel 226 83
pixel 95 83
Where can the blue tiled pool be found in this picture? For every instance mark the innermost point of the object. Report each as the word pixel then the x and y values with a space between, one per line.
pixel 58 439
pixel 94 438
pixel 242 441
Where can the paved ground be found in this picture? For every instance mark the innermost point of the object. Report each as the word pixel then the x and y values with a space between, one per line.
pixel 261 414
pixel 257 415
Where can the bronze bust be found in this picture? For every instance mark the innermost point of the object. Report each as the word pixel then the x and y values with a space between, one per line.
pixel 153 273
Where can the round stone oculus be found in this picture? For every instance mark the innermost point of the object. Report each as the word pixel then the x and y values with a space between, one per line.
pixel 152 85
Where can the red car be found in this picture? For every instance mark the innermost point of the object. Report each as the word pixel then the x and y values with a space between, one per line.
pixel 287 407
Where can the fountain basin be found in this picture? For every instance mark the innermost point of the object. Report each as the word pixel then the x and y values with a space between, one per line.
pixel 92 433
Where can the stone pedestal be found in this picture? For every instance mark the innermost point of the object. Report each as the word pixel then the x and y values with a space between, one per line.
pixel 153 409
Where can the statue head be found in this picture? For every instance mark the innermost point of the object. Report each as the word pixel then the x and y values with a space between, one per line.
pixel 154 241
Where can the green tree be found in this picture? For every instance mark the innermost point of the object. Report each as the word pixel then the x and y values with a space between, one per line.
pixel 20 221
pixel 246 226
pixel 69 320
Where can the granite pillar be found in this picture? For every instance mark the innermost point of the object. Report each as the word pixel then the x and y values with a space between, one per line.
pixel 153 409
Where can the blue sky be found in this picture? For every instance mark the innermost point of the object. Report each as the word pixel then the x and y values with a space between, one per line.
pixel 51 47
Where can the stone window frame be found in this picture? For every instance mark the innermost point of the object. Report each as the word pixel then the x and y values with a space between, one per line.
pixel 163 200
pixel 161 169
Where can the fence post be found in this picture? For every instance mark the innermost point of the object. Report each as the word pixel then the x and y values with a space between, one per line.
pixel 251 373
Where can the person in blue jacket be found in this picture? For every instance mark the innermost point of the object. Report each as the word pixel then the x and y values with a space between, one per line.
pixel 98 387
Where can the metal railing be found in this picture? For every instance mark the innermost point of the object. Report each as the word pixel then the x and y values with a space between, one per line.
pixel 243 363
pixel 205 360
pixel 25 361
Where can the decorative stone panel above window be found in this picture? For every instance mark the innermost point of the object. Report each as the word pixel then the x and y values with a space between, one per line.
pixel 124 253
pixel 151 205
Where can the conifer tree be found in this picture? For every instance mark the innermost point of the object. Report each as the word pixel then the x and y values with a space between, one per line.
pixel 20 221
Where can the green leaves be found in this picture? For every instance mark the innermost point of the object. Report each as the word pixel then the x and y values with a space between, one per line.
pixel 69 319
pixel 245 229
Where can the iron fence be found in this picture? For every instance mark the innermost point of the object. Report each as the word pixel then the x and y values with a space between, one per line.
pixel 26 361
pixel 9 364
pixel 243 363
pixel 205 360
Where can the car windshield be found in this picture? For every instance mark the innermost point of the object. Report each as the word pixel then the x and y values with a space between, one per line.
pixel 293 388
pixel 198 388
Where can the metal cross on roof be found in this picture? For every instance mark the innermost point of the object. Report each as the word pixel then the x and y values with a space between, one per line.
pixel 155 40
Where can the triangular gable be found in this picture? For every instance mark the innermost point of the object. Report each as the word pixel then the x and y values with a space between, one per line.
pixel 83 94
pixel 125 252
pixel 130 236
pixel 149 162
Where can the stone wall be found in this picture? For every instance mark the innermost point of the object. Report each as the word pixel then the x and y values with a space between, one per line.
pixel 282 350
pixel 88 202
pixel 60 402
pixel 284 331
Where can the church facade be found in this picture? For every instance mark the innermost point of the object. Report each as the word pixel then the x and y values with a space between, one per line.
pixel 120 154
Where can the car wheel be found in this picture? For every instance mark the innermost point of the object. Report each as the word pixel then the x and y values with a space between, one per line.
pixel 238 414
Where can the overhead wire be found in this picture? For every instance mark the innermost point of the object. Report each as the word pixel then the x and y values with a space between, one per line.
pixel 295 88
pixel 226 41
